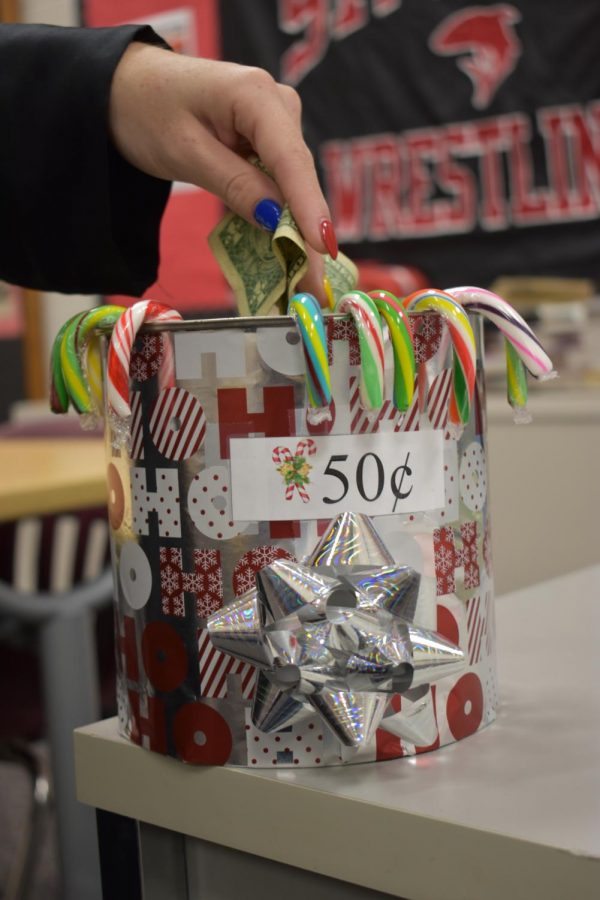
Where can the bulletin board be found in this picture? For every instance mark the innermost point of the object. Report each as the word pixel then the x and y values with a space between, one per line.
pixel 189 278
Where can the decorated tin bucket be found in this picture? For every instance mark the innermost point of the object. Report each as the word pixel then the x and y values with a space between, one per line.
pixel 223 475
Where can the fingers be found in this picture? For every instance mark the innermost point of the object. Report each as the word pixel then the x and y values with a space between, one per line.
pixel 204 160
pixel 313 281
pixel 193 120
pixel 269 116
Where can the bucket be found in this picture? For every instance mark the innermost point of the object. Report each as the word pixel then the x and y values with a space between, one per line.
pixel 225 477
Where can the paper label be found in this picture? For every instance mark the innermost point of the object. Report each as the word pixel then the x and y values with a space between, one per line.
pixel 276 479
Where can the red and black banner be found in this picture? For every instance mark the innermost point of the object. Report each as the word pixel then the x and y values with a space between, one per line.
pixel 460 139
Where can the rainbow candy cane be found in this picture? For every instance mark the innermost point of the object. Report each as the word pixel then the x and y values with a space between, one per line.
pixel 59 394
pixel 370 339
pixel 73 345
pixel 402 345
pixel 463 343
pixel 309 320
pixel 517 390
pixel 523 349
pixel 120 347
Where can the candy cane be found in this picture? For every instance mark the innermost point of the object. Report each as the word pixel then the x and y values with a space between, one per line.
pixel 522 348
pixel 309 320
pixel 402 345
pixel 370 339
pixel 282 455
pixel 59 394
pixel 514 328
pixel 73 346
pixel 517 390
pixel 463 343
pixel 92 366
pixel 120 347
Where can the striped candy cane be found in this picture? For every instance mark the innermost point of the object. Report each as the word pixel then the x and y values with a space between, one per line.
pixel 121 344
pixel 370 337
pixel 463 343
pixel 282 455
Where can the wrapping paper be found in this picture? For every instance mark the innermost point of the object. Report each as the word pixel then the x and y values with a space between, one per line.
pixel 179 555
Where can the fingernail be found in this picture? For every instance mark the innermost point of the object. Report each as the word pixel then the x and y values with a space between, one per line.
pixel 328 292
pixel 267 213
pixel 329 238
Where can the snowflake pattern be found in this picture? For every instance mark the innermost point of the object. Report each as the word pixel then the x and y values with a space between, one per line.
pixel 444 560
pixel 138 369
pixel 146 357
pixel 448 558
pixel 215 584
pixel 170 580
pixel 471 579
pixel 262 556
pixel 206 559
pixel 192 583
pixel 244 573
pixel 343 331
pixel 487 551
pixel 206 604
pixel 469 532
pixel 427 337
pixel 205 583
pixel 244 580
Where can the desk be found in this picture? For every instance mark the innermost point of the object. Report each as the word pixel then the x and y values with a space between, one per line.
pixel 39 475
pixel 511 812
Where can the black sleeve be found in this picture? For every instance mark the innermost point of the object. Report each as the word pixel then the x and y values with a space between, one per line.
pixel 74 215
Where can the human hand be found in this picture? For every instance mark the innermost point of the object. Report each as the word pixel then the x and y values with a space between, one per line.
pixel 197 120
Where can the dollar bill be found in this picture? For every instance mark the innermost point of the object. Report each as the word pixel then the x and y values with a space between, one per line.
pixel 264 270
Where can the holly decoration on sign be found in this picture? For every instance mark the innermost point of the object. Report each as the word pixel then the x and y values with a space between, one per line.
pixel 295 471
pixel 294 468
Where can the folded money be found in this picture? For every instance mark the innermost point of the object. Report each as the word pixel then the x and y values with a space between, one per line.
pixel 264 269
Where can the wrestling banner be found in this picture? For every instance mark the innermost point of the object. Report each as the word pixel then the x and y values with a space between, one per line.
pixel 460 139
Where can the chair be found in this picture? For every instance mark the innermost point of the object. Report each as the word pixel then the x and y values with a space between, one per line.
pixel 55 594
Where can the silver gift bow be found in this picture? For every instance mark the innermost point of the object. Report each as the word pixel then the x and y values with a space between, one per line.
pixel 336 635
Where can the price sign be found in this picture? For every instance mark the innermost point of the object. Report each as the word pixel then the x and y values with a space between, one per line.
pixel 318 477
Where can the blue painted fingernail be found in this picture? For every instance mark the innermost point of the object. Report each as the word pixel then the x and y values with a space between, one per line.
pixel 267 213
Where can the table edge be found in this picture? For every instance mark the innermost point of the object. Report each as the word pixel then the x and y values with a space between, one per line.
pixel 402 853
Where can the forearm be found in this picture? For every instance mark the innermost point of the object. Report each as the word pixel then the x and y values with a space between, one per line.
pixel 76 216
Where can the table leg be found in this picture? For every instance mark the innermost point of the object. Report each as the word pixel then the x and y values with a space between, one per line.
pixel 119 856
pixel 162 863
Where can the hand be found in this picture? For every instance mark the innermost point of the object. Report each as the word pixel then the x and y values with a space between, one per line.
pixel 197 120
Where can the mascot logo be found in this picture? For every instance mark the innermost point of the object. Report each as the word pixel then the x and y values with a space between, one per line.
pixel 486 35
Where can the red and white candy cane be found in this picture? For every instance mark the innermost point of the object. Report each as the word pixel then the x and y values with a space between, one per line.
pixel 282 455
pixel 120 347
pixel 367 321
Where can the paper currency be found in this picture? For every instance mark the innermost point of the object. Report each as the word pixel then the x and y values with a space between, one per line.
pixel 264 270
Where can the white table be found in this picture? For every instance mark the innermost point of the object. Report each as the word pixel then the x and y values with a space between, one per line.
pixel 512 812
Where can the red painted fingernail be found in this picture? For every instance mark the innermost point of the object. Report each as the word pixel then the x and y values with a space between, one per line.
pixel 329 238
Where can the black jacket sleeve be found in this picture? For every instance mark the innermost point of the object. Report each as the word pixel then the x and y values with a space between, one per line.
pixel 74 215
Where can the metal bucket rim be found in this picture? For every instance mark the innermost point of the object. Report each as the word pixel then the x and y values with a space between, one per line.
pixel 238 322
